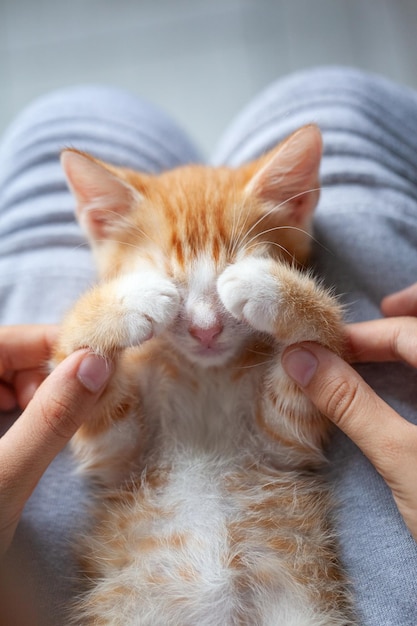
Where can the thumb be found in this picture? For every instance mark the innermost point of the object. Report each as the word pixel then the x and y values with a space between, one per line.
pixel 338 391
pixel 388 440
pixel 61 404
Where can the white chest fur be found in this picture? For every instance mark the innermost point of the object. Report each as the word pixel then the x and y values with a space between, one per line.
pixel 202 412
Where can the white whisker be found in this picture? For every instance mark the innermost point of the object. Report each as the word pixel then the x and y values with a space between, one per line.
pixel 279 206
pixel 83 244
pixel 270 243
pixel 260 353
pixel 238 237
pixel 246 367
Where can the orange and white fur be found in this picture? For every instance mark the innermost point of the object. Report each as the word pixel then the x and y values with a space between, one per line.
pixel 210 508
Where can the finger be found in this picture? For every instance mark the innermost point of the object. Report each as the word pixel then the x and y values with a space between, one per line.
pixel 8 400
pixel 392 339
pixel 26 382
pixel 344 397
pixel 20 389
pixel 402 302
pixel 62 403
pixel 25 346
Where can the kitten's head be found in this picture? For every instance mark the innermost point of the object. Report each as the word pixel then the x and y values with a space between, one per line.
pixel 192 222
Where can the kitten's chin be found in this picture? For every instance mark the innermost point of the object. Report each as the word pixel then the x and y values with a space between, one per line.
pixel 217 356
pixel 211 357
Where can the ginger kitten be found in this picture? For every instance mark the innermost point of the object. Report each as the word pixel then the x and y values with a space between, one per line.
pixel 204 457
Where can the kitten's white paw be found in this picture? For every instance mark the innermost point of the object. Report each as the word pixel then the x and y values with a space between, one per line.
pixel 149 304
pixel 251 293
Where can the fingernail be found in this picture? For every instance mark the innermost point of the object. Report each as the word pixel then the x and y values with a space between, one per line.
pixel 300 364
pixel 94 371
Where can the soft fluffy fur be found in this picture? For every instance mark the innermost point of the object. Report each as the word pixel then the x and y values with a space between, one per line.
pixel 211 510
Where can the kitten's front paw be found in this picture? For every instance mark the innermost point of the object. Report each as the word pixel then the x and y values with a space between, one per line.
pixel 149 304
pixel 251 293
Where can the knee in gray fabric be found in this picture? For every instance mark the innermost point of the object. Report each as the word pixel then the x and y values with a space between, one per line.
pixel 110 123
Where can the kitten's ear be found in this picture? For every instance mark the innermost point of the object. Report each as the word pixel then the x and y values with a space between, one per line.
pixel 103 199
pixel 289 175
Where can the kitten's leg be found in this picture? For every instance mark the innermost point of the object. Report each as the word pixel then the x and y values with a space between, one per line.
pixel 279 300
pixel 122 313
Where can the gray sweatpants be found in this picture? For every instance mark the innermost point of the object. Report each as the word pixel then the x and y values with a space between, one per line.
pixel 366 231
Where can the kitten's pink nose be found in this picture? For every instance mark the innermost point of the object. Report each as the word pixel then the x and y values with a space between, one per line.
pixel 206 336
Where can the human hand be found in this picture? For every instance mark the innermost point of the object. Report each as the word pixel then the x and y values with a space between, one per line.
pixel 388 440
pixel 54 411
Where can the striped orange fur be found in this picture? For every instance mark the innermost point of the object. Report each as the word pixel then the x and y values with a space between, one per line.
pixel 208 504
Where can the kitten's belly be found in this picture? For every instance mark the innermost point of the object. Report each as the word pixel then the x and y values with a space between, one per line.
pixel 212 532
pixel 189 496
pixel 181 521
pixel 179 546
pixel 170 541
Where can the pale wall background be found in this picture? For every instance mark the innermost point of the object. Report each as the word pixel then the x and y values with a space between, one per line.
pixel 201 60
